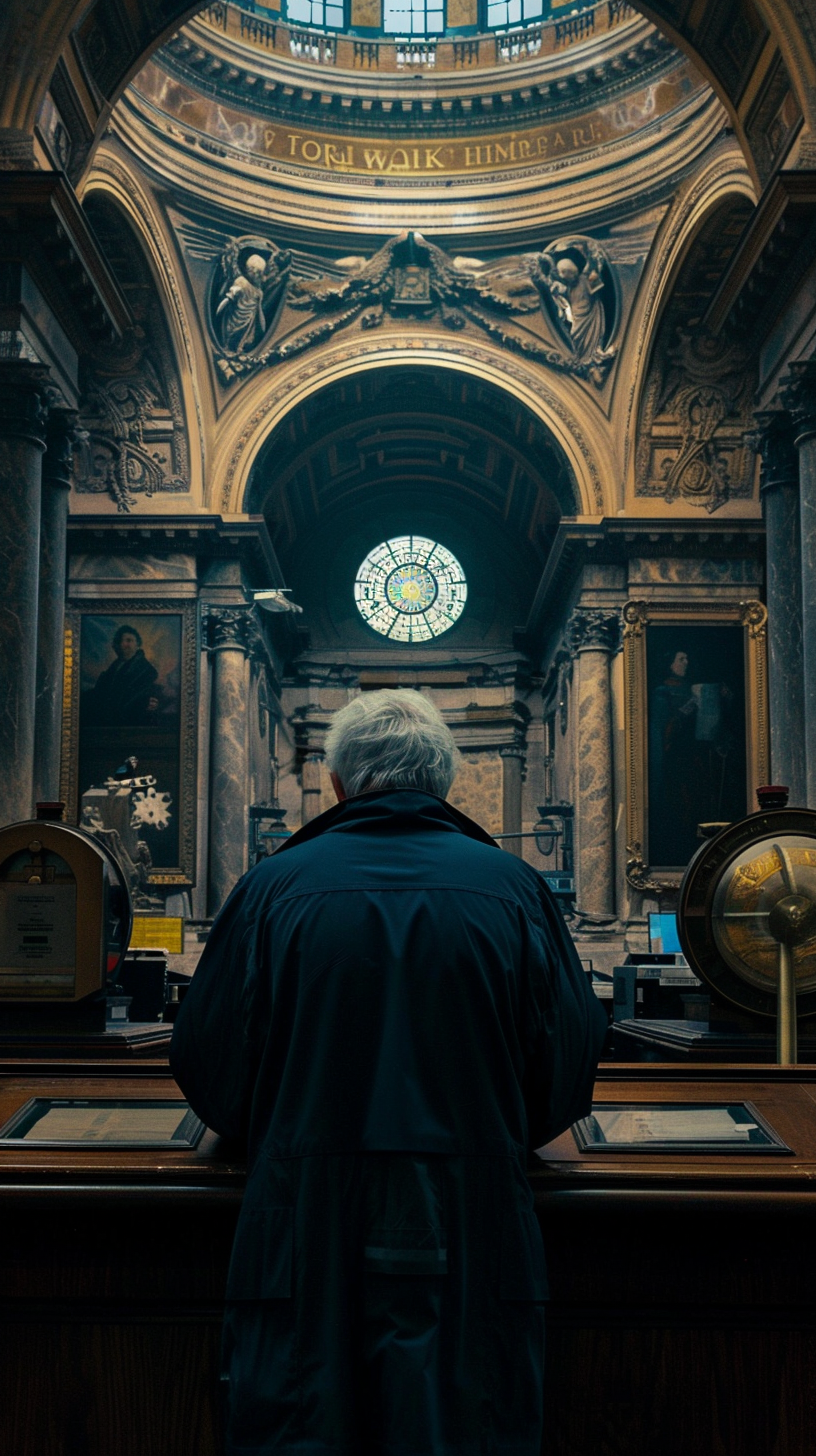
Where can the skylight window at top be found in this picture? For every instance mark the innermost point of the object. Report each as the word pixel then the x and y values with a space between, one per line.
pixel 413 17
pixel 505 13
pixel 323 14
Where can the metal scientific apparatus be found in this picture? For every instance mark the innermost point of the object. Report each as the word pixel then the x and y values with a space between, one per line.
pixel 747 917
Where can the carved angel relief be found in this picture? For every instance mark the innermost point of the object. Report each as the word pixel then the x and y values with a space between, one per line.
pixel 558 305
pixel 248 289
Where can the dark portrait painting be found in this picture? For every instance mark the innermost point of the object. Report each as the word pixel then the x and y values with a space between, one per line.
pixel 695 690
pixel 129 707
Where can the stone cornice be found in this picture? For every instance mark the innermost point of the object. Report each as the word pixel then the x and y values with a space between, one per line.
pixel 634 170
pixel 208 536
pixel 474 99
pixel 616 541
pixel 771 258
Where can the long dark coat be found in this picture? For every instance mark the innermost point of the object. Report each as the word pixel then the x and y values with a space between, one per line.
pixel 391 1012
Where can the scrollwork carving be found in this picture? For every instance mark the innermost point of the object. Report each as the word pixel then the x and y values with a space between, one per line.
pixel 754 616
pixel 695 441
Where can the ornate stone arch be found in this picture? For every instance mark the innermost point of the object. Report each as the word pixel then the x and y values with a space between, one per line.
pixel 693 405
pixel 724 177
pixel 581 434
pixel 116 183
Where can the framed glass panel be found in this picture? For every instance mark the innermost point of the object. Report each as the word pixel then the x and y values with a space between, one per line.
pixel 666 1127
pixel 60 1122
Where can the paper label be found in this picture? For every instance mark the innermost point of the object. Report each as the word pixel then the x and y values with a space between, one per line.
pixel 37 928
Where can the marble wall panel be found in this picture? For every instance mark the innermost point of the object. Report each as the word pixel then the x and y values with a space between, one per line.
pixel 477 790
pixel 92 566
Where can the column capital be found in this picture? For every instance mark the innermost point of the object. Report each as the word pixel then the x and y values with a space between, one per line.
pixel 23 401
pixel 228 629
pixel 775 441
pixel 594 629
pixel 798 395
pixel 61 433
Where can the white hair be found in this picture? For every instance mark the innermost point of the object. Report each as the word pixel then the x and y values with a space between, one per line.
pixel 393 739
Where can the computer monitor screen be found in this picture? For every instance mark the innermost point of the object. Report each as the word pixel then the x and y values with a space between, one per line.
pixel 663 937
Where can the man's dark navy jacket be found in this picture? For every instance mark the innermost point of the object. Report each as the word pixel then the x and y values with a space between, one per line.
pixel 392 1014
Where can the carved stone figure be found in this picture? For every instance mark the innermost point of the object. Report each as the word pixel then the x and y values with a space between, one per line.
pixel 557 305
pixel 252 278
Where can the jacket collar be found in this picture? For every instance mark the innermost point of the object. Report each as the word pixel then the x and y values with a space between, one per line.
pixel 387 809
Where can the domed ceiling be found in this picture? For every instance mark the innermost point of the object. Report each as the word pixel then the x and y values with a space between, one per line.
pixel 479 127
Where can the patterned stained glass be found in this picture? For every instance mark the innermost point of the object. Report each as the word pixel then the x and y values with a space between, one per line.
pixel 410 589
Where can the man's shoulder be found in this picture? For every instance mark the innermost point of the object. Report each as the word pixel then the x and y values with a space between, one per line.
pixel 444 861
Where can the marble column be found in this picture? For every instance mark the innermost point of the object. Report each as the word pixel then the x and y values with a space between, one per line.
pixel 780 507
pixel 799 396
pixel 513 757
pixel 310 783
pixel 56 485
pixel 593 634
pixel 23 414
pixel 229 634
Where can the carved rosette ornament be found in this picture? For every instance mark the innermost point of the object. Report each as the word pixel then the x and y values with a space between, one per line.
pixel 594 629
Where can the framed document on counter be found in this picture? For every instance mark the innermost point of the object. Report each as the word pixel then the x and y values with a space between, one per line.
pixel 674 1127
pixel 72 1122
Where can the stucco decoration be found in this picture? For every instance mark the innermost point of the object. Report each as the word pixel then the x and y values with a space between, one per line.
pixel 696 413
pixel 558 305
pixel 133 437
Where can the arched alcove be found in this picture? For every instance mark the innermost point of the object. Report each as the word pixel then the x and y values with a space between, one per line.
pixel 399 450
pixel 135 444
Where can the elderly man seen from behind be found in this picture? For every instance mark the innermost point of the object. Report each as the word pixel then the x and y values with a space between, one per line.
pixel 391 1013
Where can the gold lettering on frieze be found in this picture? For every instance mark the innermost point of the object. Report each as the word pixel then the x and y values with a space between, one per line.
pixel 335 154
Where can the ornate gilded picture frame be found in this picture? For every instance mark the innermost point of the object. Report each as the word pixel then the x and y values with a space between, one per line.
pixel 696 727
pixel 130 694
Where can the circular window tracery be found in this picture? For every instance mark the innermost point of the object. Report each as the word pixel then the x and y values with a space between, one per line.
pixel 410 589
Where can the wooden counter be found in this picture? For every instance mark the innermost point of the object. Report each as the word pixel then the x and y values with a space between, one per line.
pixel 682 1320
